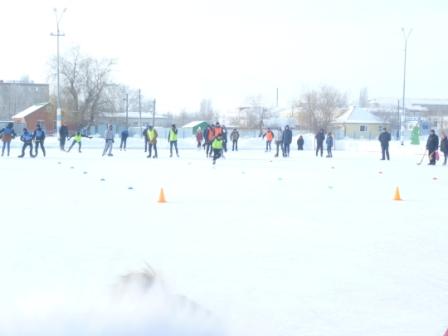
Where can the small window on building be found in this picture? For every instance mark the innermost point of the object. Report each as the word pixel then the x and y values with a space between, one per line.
pixel 363 128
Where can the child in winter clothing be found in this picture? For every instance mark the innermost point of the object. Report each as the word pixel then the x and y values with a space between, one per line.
pixel 39 137
pixel 444 147
pixel 77 140
pixel 152 141
pixel 217 146
pixel 123 138
pixel 27 139
pixel 234 136
pixel 109 140
pixel 269 136
pixel 7 134
pixel 300 143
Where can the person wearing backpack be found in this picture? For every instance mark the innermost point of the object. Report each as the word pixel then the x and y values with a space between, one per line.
pixel 7 134
pixel 27 139
pixel 39 138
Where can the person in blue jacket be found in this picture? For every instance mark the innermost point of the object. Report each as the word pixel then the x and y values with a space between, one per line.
pixel 329 142
pixel 27 139
pixel 123 138
pixel 7 134
pixel 39 138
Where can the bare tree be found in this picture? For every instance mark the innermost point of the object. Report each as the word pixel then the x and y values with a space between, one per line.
pixel 84 81
pixel 317 108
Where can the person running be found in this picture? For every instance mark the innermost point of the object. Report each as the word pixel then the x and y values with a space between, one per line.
pixel 269 135
pixel 329 142
pixel 7 134
pixel 234 136
pixel 320 137
pixel 384 139
pixel 109 136
pixel 27 139
pixel 432 144
pixel 217 146
pixel 152 141
pixel 172 139
pixel 39 138
pixel 443 147
pixel 278 138
pixel 123 138
pixel 287 139
pixel 300 143
pixel 77 140
pixel 63 136
pixel 199 137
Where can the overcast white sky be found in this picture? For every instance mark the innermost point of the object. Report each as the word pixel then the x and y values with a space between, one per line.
pixel 182 51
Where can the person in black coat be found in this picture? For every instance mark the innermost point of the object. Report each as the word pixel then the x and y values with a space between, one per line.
pixel 39 138
pixel 123 138
pixel 432 144
pixel 63 135
pixel 300 143
pixel 320 137
pixel 145 137
pixel 287 139
pixel 384 139
pixel 444 147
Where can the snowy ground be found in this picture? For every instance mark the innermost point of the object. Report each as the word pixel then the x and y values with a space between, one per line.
pixel 270 246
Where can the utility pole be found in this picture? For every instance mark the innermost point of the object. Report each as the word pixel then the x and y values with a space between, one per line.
pixel 126 99
pixel 404 124
pixel 58 98
pixel 140 110
pixel 154 113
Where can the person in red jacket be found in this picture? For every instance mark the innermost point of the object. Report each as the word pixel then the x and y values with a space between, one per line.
pixel 269 135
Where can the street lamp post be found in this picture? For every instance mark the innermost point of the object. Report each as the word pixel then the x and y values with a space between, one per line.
pixel 58 98
pixel 403 102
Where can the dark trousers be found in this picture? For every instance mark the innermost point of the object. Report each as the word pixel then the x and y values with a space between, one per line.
pixel 329 153
pixel 62 143
pixel 123 143
pixel 73 143
pixel 320 147
pixel 150 147
pixel 25 145
pixel 36 147
pixel 208 148
pixel 268 145
pixel 286 147
pixel 385 152
pixel 173 144
pixel 199 143
pixel 7 145
pixel 216 154
pixel 146 144
pixel 279 145
pixel 432 157
pixel 235 145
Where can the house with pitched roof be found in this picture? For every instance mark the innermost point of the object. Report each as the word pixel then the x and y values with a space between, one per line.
pixel 358 123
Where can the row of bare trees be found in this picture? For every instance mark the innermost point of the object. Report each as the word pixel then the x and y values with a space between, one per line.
pixel 87 88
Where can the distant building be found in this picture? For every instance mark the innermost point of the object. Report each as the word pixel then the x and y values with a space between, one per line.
pixel 17 96
pixel 358 123
pixel 36 114
pixel 192 127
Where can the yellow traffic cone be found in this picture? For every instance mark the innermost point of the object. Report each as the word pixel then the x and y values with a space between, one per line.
pixel 161 196
pixel 397 196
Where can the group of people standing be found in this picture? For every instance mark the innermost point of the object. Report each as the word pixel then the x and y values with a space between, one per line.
pixel 432 146
pixel 37 136
pixel 215 139
pixel 282 139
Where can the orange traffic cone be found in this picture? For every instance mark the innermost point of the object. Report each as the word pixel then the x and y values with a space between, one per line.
pixel 161 196
pixel 397 196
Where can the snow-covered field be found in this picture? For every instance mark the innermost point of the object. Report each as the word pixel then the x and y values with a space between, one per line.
pixel 298 246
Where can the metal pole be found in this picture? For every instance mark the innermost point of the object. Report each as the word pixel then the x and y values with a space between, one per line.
pixel 58 98
pixel 404 124
pixel 140 111
pixel 154 113
pixel 127 109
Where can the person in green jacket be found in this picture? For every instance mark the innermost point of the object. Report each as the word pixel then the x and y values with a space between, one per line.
pixel 77 140
pixel 152 135
pixel 172 139
pixel 217 146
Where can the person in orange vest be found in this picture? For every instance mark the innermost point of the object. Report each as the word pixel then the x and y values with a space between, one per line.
pixel 269 135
